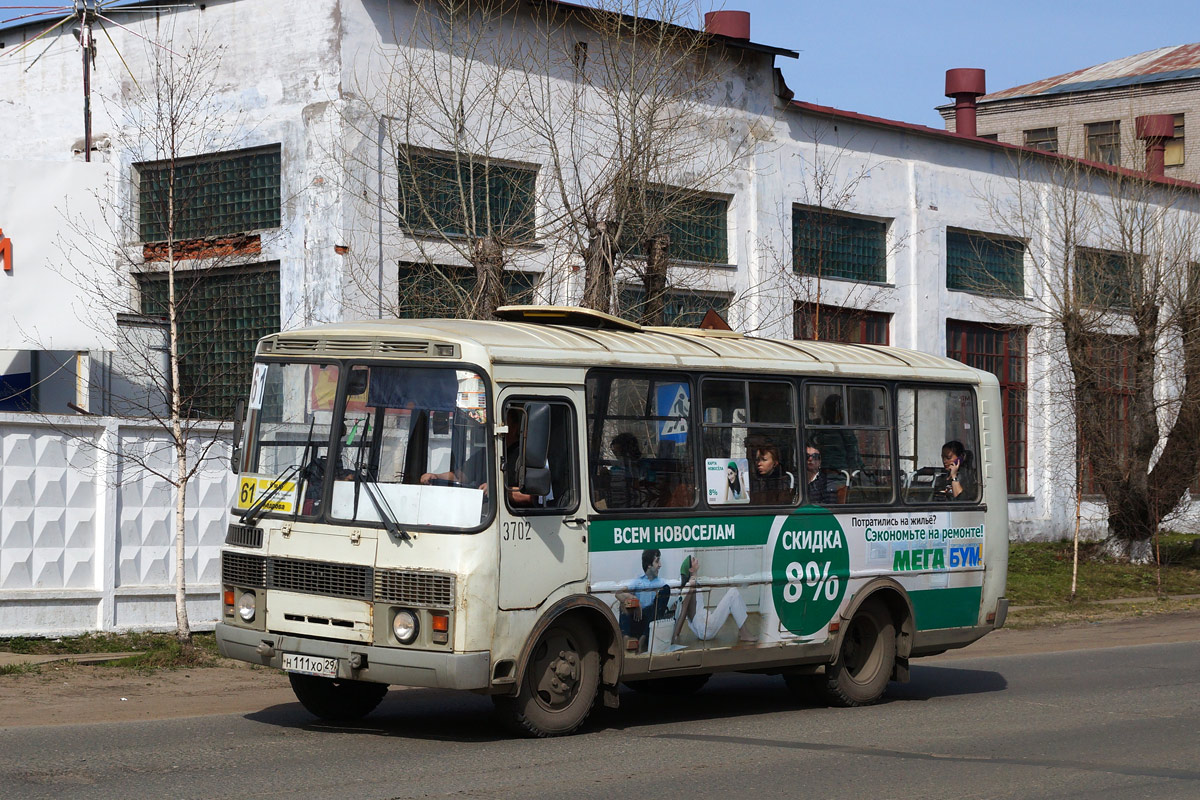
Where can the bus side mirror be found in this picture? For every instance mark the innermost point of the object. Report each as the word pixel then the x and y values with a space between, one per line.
pixel 535 480
pixel 235 456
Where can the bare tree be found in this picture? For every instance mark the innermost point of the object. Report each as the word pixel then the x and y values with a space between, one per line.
pixel 448 190
pixel 1114 256
pixel 827 225
pixel 624 104
pixel 164 278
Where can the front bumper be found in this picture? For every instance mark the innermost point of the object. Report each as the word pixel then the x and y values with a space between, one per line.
pixel 391 665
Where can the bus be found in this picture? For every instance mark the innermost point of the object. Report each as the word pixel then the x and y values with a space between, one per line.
pixel 547 506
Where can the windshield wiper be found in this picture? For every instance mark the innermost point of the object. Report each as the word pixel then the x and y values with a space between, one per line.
pixel 251 514
pixel 387 517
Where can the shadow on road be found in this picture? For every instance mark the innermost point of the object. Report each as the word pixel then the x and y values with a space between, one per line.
pixel 463 717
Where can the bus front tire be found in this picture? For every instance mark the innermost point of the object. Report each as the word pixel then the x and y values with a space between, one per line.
pixel 865 660
pixel 336 699
pixel 559 685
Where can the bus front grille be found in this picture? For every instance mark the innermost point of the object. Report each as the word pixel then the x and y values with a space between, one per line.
pixel 414 588
pixel 353 581
pixel 243 569
pixel 320 577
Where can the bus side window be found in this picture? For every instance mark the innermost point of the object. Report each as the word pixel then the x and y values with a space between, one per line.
pixel 938 444
pixel 640 440
pixel 561 459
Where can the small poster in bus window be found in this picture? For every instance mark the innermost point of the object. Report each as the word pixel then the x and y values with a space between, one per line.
pixel 324 387
pixel 472 395
pixel 727 480
pixel 673 402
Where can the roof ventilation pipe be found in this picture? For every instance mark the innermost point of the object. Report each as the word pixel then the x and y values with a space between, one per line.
pixel 964 85
pixel 1155 129
pixel 734 24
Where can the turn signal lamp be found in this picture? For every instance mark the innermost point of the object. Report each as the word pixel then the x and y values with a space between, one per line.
pixel 229 597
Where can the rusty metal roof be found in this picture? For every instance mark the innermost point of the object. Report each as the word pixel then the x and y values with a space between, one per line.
pixel 1179 62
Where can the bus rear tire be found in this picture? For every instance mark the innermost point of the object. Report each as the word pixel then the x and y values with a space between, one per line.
pixel 560 682
pixel 678 685
pixel 865 660
pixel 337 699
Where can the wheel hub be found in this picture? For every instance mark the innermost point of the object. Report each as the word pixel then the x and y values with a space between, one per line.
pixel 563 674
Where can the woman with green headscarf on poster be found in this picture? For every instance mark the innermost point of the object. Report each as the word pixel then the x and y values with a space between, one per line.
pixel 706 623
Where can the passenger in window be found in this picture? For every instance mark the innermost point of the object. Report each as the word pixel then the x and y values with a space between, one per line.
pixel 960 483
pixel 623 478
pixel 817 489
pixel 770 483
pixel 839 448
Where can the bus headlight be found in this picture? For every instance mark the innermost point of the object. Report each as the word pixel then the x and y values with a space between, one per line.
pixel 245 606
pixel 404 625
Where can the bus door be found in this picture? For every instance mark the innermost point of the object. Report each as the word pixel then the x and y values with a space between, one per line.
pixel 543 536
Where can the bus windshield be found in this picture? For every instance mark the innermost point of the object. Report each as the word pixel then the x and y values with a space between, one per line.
pixel 412 448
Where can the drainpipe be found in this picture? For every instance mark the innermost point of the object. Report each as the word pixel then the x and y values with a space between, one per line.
pixel 1155 129
pixel 964 85
pixel 734 24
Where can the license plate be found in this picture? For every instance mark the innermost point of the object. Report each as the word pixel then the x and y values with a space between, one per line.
pixel 310 665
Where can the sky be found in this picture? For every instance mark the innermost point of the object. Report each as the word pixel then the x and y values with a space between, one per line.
pixel 888 58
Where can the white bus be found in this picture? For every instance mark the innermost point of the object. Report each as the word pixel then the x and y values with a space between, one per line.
pixel 545 507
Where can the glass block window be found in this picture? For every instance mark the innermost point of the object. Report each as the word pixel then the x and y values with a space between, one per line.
pixel 683 309
pixel 428 290
pixel 222 315
pixel 215 195
pixel 830 245
pixel 1112 359
pixel 458 195
pixel 1104 142
pixel 836 324
pixel 1000 351
pixel 1045 139
pixel 980 262
pixel 1173 157
pixel 697 225
pixel 1105 279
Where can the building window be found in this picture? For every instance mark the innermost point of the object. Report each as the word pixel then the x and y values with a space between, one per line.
pixel 981 262
pixel 836 324
pixel 222 314
pixel 830 245
pixel 1173 157
pixel 1104 142
pixel 1000 351
pixel 437 290
pixel 214 195
pixel 991 137
pixel 460 195
pixel 1042 139
pixel 1112 360
pixel 683 309
pixel 697 225
pixel 1105 279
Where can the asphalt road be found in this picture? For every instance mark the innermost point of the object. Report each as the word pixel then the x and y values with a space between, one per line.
pixel 1114 723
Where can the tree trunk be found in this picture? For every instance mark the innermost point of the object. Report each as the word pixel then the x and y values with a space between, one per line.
pixel 183 630
pixel 599 264
pixel 488 258
pixel 654 310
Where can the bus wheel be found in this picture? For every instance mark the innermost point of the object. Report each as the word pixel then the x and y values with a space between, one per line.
pixel 677 685
pixel 337 699
pixel 865 661
pixel 560 682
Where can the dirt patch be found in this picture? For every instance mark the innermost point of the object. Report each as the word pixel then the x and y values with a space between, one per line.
pixel 63 692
